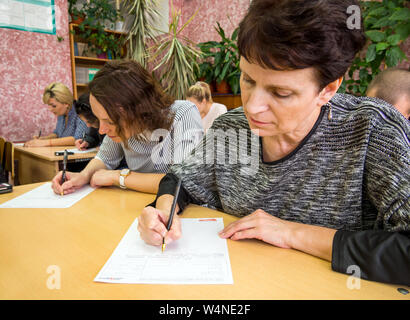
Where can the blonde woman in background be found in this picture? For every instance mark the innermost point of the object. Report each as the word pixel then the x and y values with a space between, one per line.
pixel 69 126
pixel 200 95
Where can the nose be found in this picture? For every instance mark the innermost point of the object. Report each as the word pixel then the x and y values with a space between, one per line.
pixel 256 101
pixel 103 128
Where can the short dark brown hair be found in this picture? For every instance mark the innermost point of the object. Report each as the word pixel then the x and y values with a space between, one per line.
pixel 131 97
pixel 298 34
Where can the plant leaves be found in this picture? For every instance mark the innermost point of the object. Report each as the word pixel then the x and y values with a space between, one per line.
pixel 371 53
pixel 375 35
pixel 402 14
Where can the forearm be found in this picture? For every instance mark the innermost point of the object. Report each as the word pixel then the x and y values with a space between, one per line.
pixel 50 136
pixel 314 240
pixel 66 141
pixel 93 166
pixel 138 181
pixel 164 203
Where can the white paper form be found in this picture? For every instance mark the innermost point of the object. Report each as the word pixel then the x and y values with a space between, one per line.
pixel 200 256
pixel 44 197
pixel 80 151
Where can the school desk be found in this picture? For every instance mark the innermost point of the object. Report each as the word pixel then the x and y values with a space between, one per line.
pixel 38 164
pixel 79 240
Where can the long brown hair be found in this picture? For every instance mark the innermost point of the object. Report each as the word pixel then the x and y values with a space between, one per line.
pixel 132 98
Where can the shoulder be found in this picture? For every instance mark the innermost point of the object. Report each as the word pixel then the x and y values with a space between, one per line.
pixel 234 118
pixel 378 111
pixel 219 107
pixel 183 109
pixel 386 127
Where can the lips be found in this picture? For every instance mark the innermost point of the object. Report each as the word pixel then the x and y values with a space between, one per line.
pixel 259 123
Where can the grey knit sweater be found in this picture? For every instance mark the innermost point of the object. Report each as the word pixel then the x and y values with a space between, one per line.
pixel 351 172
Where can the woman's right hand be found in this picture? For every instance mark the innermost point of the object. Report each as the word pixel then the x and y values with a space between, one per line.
pixel 73 182
pixel 152 226
pixel 81 145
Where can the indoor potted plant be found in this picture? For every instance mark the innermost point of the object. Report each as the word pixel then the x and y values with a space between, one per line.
pixel 175 58
pixel 223 58
pixel 92 29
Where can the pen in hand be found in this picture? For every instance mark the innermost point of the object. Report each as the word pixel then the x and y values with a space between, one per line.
pixel 171 216
pixel 82 139
pixel 39 134
pixel 64 169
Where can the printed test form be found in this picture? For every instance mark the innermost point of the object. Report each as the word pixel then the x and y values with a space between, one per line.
pixel 200 256
pixel 44 197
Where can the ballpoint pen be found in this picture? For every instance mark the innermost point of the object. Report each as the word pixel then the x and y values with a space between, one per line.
pixel 64 169
pixel 171 216
pixel 82 139
pixel 39 134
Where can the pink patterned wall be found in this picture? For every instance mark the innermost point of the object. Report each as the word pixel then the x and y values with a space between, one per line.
pixel 201 29
pixel 29 61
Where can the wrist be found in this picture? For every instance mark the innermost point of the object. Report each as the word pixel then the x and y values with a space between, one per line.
pixel 116 178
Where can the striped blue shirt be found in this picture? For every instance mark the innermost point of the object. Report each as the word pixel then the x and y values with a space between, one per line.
pixel 75 126
pixel 156 151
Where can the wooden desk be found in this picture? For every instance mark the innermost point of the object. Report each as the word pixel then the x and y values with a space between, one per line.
pixel 80 239
pixel 40 164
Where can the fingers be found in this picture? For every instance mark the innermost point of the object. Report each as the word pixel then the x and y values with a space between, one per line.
pixel 67 187
pixel 246 227
pixel 174 232
pixel 152 227
pixel 56 183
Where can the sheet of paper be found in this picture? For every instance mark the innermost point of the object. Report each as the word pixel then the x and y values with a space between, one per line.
pixel 75 150
pixel 200 256
pixel 44 197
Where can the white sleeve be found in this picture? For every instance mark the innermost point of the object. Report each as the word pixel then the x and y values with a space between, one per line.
pixel 111 153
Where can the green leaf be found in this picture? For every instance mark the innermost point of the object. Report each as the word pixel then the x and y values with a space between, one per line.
pixel 383 22
pixel 371 53
pixel 381 11
pixel 394 39
pixel 375 36
pixel 403 30
pixel 402 14
pixel 382 46
pixel 393 56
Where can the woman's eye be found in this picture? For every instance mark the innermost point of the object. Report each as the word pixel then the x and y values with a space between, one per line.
pixel 282 95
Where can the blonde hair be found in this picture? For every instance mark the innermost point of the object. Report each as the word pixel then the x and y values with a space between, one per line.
pixel 59 92
pixel 200 91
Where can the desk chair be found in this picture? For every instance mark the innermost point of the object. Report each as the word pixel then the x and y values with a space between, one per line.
pixel 9 161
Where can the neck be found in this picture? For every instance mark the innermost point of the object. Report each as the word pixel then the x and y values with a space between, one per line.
pixel 278 146
pixel 206 109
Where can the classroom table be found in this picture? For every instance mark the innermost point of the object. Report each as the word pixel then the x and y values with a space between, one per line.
pixel 80 239
pixel 39 164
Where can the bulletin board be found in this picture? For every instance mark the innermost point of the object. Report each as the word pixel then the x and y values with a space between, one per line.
pixel 28 15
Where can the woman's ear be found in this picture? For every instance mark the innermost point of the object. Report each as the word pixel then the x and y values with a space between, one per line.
pixel 329 91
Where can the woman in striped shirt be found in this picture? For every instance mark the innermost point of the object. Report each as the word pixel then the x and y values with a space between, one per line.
pixel 142 124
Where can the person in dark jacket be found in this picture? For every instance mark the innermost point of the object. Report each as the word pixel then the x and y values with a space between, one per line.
pixel 92 138
pixel 303 167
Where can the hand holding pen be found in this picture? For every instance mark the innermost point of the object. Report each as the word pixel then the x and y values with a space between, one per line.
pixel 171 216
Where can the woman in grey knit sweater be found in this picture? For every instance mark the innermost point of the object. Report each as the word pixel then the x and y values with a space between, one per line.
pixel 304 167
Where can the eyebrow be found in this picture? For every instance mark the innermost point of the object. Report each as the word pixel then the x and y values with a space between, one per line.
pixel 271 87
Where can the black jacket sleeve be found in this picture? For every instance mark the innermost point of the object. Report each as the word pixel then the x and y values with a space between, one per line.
pixel 93 138
pixel 168 185
pixel 381 255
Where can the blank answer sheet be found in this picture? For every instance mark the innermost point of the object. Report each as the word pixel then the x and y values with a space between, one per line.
pixel 200 256
pixel 44 197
